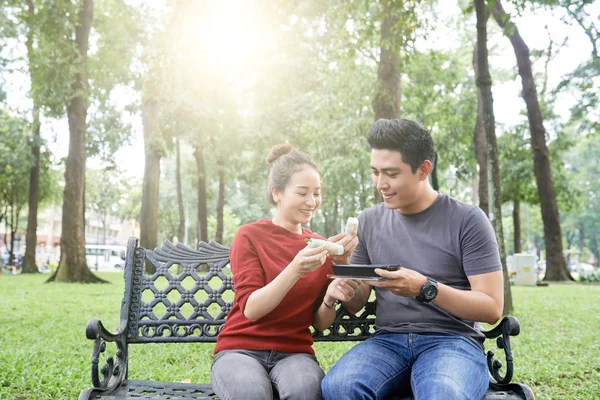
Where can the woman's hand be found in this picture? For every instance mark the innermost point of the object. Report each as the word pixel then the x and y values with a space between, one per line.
pixel 349 243
pixel 309 260
pixel 340 290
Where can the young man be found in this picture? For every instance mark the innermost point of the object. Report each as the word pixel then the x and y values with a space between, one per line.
pixel 450 277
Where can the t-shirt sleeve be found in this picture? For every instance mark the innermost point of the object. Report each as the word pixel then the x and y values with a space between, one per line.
pixel 247 271
pixel 479 247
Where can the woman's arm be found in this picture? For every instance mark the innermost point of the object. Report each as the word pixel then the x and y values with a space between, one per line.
pixel 264 300
pixel 344 290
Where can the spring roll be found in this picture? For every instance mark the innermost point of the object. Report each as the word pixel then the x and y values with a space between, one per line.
pixel 352 226
pixel 333 249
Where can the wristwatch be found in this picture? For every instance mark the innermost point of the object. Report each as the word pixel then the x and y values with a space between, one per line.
pixel 429 291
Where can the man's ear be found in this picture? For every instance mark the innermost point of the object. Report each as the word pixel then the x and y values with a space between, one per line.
pixel 424 170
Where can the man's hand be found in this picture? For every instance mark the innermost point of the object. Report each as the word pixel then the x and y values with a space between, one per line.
pixel 403 282
pixel 349 243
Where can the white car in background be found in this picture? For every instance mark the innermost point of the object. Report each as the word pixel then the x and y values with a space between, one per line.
pixel 102 257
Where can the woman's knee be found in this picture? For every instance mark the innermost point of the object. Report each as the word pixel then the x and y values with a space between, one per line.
pixel 236 376
pixel 298 377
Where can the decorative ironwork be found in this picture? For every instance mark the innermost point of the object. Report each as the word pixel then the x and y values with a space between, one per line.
pixel 509 326
pixel 183 299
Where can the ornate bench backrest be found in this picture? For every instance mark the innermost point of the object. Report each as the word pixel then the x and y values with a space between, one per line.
pixel 188 297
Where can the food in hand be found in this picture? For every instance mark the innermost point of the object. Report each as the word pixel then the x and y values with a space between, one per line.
pixel 333 249
pixel 352 226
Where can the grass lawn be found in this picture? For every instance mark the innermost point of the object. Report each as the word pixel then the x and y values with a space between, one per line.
pixel 44 353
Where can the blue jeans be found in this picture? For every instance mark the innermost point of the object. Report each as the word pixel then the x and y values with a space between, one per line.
pixel 255 374
pixel 435 367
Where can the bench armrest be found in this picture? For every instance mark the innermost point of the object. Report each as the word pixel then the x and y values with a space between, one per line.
pixel 115 370
pixel 509 326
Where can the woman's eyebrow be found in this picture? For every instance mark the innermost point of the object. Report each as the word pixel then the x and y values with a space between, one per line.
pixel 306 187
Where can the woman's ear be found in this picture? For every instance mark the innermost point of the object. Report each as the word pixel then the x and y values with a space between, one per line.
pixel 275 194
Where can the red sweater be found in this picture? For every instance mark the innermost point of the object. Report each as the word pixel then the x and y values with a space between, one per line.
pixel 260 251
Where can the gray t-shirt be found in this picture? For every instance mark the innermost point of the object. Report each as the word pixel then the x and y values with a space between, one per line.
pixel 448 241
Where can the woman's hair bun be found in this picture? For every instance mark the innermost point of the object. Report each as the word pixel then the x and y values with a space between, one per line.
pixel 277 151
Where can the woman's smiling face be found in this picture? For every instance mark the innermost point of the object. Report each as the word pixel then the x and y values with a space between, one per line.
pixel 301 197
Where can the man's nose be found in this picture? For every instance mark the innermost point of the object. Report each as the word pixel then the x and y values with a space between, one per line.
pixel 381 182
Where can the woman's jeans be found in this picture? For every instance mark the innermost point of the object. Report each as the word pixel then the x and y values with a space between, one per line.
pixel 444 367
pixel 253 374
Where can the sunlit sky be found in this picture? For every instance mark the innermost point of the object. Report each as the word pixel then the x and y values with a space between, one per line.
pixel 230 27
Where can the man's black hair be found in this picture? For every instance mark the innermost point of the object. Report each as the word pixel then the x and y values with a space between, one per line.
pixel 410 138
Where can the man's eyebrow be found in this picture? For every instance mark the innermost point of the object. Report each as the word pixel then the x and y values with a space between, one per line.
pixel 387 169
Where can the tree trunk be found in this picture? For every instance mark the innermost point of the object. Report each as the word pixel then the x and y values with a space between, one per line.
pixel 181 228
pixel 581 229
pixel 556 268
pixel 153 152
pixel 484 85
pixel 73 266
pixel 103 219
pixel 220 202
pixel 479 144
pixel 202 209
pixel 517 224
pixel 435 184
pixel 29 265
pixel 386 101
pixel 336 219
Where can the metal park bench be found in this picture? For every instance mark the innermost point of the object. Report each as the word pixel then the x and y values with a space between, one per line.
pixel 183 302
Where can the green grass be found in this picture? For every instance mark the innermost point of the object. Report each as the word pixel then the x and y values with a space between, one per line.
pixel 44 353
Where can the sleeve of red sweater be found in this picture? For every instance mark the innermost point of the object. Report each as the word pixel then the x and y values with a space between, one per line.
pixel 248 273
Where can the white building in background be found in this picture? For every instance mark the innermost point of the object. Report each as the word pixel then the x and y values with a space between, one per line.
pixel 49 231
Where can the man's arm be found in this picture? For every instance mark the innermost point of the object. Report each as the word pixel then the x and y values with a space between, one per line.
pixel 483 303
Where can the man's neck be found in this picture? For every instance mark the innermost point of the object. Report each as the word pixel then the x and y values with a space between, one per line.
pixel 422 203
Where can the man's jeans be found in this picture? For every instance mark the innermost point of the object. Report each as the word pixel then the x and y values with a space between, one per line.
pixel 253 374
pixel 444 367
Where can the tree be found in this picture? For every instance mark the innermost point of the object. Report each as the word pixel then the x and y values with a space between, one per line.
pixel 104 191
pixel 73 266
pixel 154 142
pixel 556 269
pixel 14 167
pixel 29 265
pixel 181 227
pixel 484 85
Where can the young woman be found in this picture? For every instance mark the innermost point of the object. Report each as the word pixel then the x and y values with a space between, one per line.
pixel 281 289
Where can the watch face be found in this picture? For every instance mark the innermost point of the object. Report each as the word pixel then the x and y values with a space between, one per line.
pixel 429 291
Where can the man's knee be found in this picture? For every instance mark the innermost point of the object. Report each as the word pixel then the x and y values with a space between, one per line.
pixel 337 386
pixel 446 387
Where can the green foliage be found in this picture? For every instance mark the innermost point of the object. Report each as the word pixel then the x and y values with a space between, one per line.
pixel 584 83
pixel 231 223
pixel 105 191
pixel 16 161
pixel 584 167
